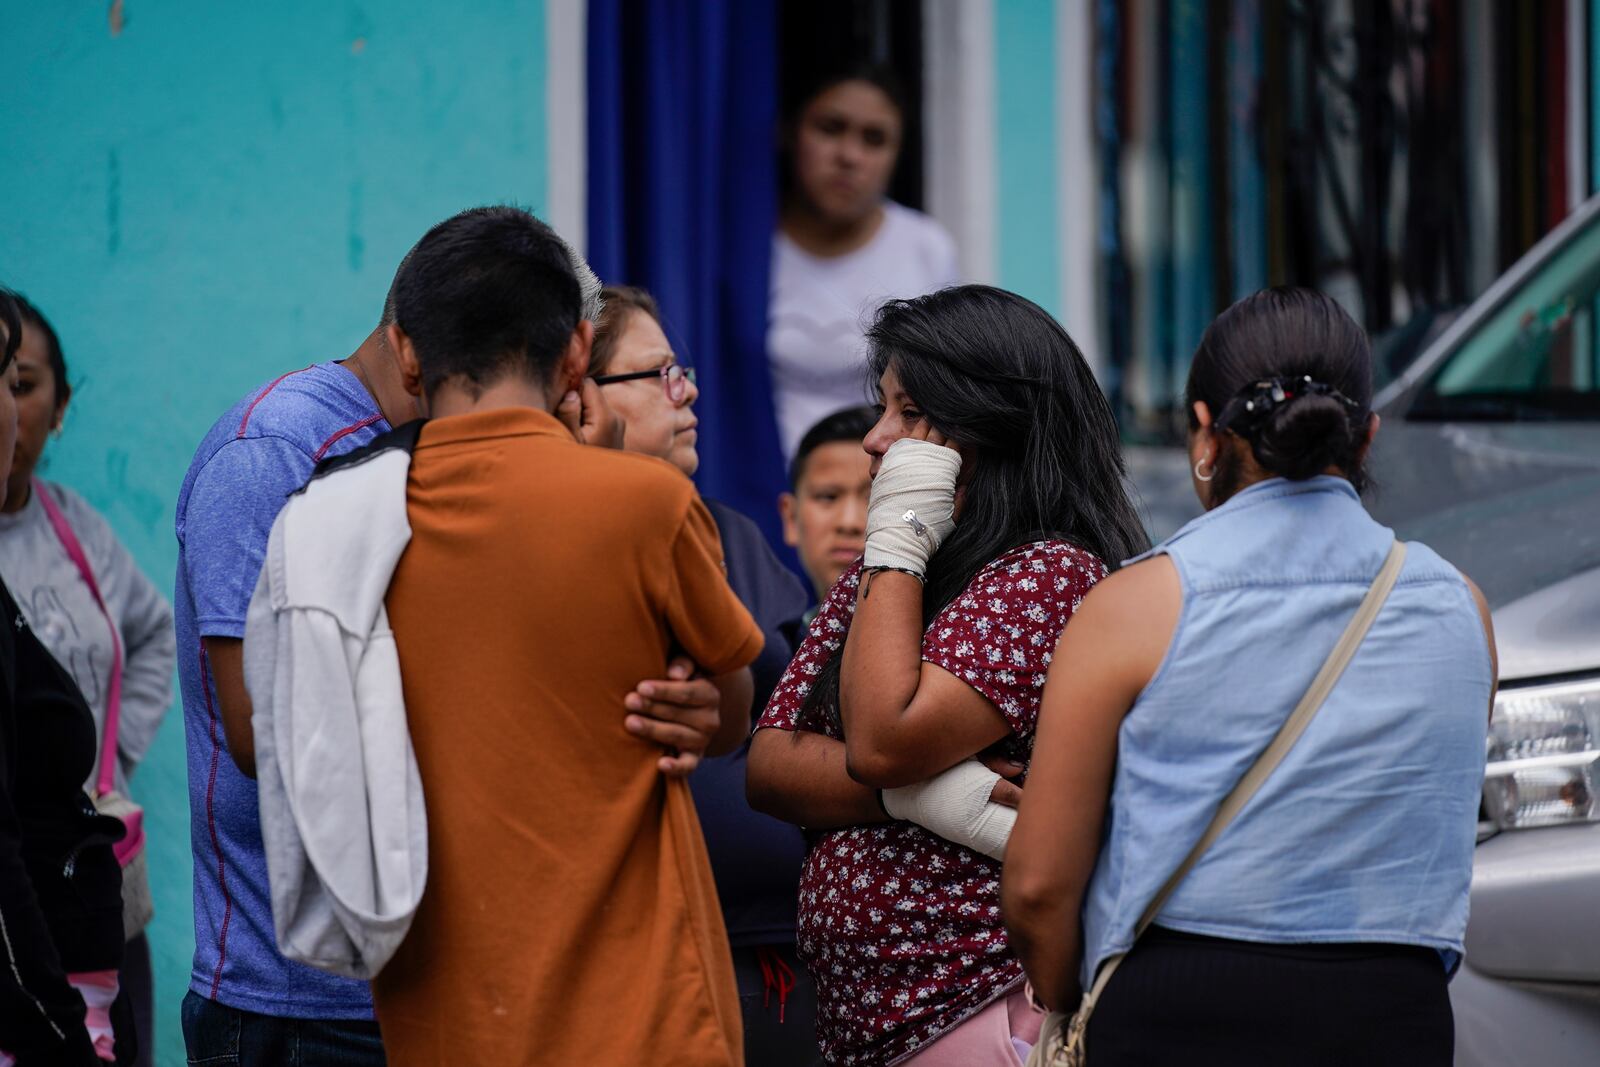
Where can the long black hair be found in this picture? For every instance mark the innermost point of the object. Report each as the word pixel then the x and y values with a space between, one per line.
pixel 995 373
pixel 1287 335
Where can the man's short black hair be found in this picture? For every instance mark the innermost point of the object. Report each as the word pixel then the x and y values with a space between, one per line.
pixel 485 293
pixel 848 424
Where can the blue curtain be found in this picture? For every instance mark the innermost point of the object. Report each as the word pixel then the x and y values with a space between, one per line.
pixel 682 194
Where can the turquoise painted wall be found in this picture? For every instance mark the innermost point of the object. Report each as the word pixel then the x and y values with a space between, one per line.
pixel 219 193
pixel 1027 190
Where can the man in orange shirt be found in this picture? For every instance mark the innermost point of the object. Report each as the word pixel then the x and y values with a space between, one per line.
pixel 569 915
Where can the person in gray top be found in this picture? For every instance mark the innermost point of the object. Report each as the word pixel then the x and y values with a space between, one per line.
pixel 67 614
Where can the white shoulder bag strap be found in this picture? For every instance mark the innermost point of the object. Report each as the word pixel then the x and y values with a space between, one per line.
pixel 1063 1045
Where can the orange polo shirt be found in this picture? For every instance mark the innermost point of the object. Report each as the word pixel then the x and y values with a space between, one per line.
pixel 569 916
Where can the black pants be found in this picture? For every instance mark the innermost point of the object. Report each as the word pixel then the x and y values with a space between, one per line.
pixel 1184 999
pixel 136 998
pixel 219 1036
pixel 780 1007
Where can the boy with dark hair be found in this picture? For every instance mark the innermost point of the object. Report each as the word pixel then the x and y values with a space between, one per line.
pixel 569 914
pixel 825 512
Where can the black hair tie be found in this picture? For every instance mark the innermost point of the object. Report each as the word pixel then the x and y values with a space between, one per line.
pixel 1245 413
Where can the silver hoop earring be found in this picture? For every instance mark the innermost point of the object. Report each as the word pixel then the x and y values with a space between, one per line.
pixel 1204 477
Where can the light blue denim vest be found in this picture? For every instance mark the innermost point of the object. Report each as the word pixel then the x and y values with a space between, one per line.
pixel 1366 830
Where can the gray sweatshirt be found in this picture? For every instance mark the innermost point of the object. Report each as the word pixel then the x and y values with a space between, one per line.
pixel 62 612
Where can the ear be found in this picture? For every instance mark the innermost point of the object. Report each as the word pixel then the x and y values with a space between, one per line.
pixel 1372 435
pixel 1202 438
pixel 405 355
pixel 789 510
pixel 574 365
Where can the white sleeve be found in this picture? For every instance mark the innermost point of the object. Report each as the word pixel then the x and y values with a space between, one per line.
pixel 956 806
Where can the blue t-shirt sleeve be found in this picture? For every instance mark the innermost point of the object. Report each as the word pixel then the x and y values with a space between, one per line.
pixel 227 519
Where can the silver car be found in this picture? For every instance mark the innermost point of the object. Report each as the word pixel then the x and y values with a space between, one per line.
pixel 1490 453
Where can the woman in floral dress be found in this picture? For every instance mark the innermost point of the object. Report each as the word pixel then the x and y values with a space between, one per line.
pixel 997 503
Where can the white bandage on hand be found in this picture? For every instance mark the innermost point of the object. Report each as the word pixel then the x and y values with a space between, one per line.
pixel 956 806
pixel 918 478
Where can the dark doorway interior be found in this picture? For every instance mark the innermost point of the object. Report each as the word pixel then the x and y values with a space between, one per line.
pixel 820 36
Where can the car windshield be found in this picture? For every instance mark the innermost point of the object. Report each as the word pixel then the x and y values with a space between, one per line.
pixel 1536 356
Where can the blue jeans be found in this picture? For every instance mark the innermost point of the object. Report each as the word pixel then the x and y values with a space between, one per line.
pixel 219 1036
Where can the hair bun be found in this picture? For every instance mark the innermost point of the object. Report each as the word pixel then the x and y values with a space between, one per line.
pixel 1304 437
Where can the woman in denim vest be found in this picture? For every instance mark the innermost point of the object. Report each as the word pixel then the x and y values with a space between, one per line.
pixel 1324 923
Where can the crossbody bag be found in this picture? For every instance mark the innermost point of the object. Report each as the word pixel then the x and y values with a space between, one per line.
pixel 1061 1039
pixel 137 905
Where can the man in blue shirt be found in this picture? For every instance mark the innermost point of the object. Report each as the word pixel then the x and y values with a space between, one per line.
pixel 247 1005
pixel 244 997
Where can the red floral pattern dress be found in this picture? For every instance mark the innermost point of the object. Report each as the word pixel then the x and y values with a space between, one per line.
pixel 899 927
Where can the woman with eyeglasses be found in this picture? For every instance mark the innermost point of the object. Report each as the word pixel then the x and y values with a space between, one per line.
pixel 756 859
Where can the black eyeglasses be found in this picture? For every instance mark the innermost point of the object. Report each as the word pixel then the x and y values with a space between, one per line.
pixel 674 379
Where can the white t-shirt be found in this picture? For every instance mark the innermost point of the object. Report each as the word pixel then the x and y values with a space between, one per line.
pixel 820 309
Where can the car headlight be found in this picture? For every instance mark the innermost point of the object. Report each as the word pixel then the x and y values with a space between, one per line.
pixel 1544 756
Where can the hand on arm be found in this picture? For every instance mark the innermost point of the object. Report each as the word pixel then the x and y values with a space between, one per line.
pixel 1107 655
pixel 690 717
pixel 800 777
pixel 972 804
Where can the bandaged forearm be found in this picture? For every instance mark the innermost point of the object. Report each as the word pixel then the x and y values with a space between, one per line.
pixel 956 806
pixel 913 504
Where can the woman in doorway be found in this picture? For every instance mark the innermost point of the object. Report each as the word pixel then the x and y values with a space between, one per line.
pixel 110 627
pixel 997 502
pixel 1321 926
pixel 755 859
pixel 842 247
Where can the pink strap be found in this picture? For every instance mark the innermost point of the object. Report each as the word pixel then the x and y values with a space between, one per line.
pixel 69 541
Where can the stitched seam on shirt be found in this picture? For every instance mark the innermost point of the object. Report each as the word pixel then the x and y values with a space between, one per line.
pixel 244 423
pixel 211 824
pixel 184 499
pixel 355 427
pixel 502 435
pixel 1236 505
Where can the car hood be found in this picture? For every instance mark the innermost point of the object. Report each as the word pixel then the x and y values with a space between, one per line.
pixel 1516 506
pixel 1428 468
pixel 1554 631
